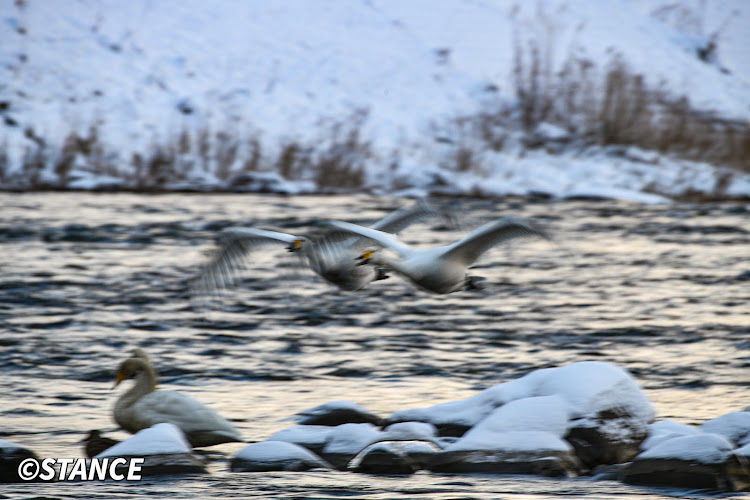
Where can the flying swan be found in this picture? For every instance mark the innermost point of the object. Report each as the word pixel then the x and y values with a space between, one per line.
pixel 330 258
pixel 442 269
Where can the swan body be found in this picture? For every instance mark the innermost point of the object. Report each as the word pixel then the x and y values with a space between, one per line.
pixel 142 406
pixel 442 269
pixel 331 259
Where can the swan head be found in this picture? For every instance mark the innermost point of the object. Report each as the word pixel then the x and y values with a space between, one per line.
pixel 367 256
pixel 131 368
pixel 295 246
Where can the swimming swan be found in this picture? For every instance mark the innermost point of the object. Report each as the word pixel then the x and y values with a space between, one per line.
pixel 441 269
pixel 143 406
pixel 330 258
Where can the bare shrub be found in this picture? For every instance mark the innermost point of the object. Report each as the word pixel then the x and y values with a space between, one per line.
pixel 253 155
pixel 342 164
pixel 226 149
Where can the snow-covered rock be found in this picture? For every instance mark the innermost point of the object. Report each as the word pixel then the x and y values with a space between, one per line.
pixel 346 441
pixel 312 437
pixel 703 461
pixel 411 430
pixel 276 455
pixel 605 413
pixel 665 430
pixel 165 449
pixel 734 426
pixel 394 457
pixel 337 413
pixel 508 452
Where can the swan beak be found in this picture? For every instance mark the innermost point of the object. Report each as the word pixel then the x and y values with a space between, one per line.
pixel 295 246
pixel 365 257
pixel 119 378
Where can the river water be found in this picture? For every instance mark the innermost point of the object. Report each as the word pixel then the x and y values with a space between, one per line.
pixel 660 290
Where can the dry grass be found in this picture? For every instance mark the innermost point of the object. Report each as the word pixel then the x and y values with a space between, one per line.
pixel 613 106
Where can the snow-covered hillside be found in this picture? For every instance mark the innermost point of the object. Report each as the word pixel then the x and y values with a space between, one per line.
pixel 180 78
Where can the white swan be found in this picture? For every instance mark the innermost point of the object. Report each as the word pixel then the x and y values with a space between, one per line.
pixel 330 258
pixel 143 406
pixel 441 269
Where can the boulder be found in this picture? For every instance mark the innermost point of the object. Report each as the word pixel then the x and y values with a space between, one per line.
pixel 11 456
pixel 508 452
pixel 702 461
pixel 734 426
pixel 312 437
pixel 164 448
pixel 664 430
pixel 347 441
pixel 394 457
pixel 337 413
pixel 276 456
pixel 607 413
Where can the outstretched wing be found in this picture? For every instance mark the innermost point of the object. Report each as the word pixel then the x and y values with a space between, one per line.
pixel 234 247
pixel 383 239
pixel 487 236
pixel 397 221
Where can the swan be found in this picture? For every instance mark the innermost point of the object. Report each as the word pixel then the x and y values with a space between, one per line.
pixel 330 258
pixel 442 269
pixel 143 406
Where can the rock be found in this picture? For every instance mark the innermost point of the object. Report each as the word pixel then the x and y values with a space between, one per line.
pixel 734 426
pixel 11 456
pixel 164 448
pixel 508 452
pixel 276 456
pixel 411 430
pixel 607 413
pixel 312 437
pixel 347 441
pixel 665 430
pixel 703 461
pixel 337 413
pixel 394 457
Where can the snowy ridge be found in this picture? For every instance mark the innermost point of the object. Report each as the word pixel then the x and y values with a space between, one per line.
pixel 143 71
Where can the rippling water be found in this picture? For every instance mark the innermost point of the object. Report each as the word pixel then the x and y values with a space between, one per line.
pixel 662 291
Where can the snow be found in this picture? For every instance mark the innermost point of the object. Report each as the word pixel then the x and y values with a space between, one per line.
pixel 7 445
pixel 351 438
pixel 160 439
pixel 277 451
pixel 734 426
pixel 665 430
pixel 524 441
pixel 304 435
pixel 586 387
pixel 410 430
pixel 703 448
pixel 144 71
pixel 543 413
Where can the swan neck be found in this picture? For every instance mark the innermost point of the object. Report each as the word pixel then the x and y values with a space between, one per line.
pixel 145 382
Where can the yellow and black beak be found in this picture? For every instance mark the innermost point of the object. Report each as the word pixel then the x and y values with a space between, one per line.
pixel 119 378
pixel 364 259
pixel 295 246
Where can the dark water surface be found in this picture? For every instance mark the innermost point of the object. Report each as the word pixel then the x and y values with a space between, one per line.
pixel 662 291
